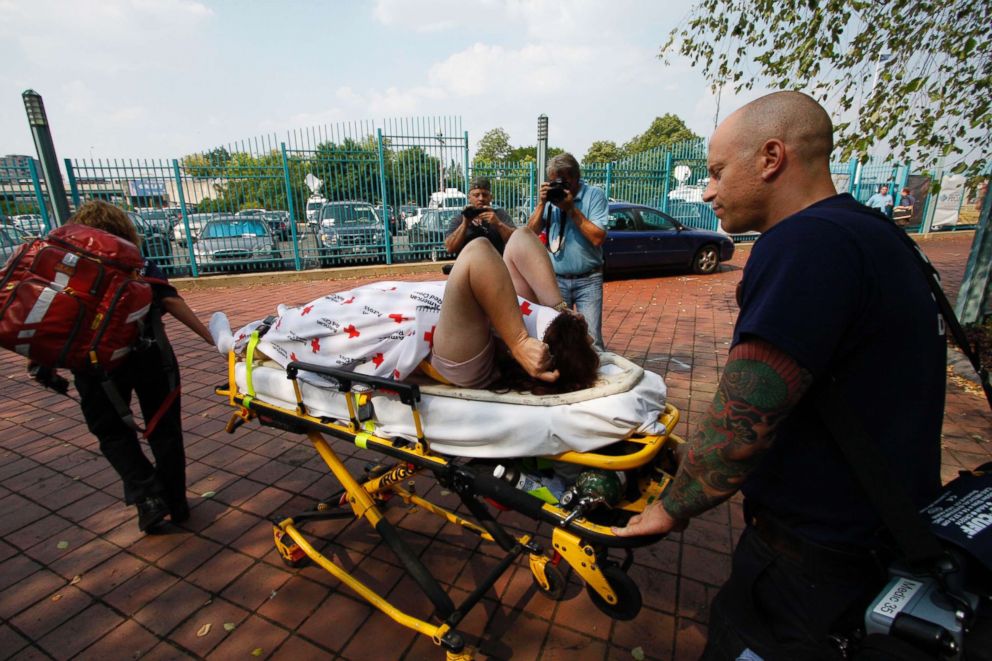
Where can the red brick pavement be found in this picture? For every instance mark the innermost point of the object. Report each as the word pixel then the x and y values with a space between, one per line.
pixel 76 577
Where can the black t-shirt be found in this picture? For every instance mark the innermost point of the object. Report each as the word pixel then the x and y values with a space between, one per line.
pixel 837 290
pixel 478 232
pixel 161 289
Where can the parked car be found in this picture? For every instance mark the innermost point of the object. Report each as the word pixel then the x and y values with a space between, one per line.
pixel 395 224
pixel 425 238
pixel 347 229
pixel 31 224
pixel 697 215
pixel 196 223
pixel 10 238
pixel 162 219
pixel 642 238
pixel 155 245
pixel 279 224
pixel 231 243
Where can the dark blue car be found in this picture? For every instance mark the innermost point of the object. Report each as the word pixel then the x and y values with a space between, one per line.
pixel 641 238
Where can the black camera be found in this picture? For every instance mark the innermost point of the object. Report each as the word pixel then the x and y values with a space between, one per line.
pixel 471 212
pixel 557 190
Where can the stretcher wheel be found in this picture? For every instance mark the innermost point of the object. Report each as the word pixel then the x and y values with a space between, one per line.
pixel 290 552
pixel 556 582
pixel 628 595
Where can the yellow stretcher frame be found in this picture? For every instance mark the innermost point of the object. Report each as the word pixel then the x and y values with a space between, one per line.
pixel 580 542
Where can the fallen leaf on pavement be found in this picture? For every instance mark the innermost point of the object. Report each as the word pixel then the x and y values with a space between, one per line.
pixel 203 631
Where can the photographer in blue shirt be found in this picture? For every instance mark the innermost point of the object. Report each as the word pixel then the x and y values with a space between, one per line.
pixel 573 215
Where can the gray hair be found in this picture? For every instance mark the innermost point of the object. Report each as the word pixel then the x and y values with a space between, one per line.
pixel 564 164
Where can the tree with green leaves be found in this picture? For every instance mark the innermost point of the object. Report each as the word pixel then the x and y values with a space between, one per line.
pixel 914 75
pixel 603 151
pixel 664 131
pixel 494 146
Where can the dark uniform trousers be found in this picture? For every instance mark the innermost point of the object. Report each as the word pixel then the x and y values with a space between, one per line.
pixel 144 373
pixel 786 596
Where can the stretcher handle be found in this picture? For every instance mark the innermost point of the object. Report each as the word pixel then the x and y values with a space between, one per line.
pixel 409 392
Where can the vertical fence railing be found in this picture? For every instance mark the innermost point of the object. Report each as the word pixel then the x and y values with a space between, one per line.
pixel 311 194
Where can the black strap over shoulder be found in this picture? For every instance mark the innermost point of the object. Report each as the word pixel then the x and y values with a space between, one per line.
pixel 909 528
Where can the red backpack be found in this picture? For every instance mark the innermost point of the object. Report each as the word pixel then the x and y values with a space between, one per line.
pixel 74 299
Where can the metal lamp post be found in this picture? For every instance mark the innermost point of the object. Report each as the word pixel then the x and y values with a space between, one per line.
pixel 542 147
pixel 38 121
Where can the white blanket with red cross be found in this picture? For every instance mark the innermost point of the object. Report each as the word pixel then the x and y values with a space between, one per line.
pixel 383 329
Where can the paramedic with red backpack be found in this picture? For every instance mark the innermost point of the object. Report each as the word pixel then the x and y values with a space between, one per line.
pixel 156 490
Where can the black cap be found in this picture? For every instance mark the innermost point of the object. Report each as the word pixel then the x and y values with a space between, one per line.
pixel 481 183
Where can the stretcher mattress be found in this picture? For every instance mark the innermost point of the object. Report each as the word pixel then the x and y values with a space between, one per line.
pixel 479 423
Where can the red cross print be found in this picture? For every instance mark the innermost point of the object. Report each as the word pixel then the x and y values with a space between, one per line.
pixel 399 318
pixel 351 331
pixel 292 356
pixel 306 310
pixel 525 308
pixel 377 359
pixel 429 336
pixel 396 374
pixel 350 300
pixel 315 345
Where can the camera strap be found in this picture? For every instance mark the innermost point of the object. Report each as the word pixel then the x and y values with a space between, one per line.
pixel 910 530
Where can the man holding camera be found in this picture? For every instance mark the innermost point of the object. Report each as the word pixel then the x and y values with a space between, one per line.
pixel 817 315
pixel 479 220
pixel 573 215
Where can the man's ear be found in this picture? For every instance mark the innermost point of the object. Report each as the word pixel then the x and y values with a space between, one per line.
pixel 771 158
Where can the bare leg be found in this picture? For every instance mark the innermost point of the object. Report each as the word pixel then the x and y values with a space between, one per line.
pixel 480 294
pixel 530 268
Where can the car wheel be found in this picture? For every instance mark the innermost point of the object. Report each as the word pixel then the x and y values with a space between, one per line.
pixel 706 261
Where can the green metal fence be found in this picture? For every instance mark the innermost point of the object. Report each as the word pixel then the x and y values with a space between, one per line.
pixel 23 211
pixel 359 193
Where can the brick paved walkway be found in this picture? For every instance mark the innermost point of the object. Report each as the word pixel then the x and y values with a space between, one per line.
pixel 77 579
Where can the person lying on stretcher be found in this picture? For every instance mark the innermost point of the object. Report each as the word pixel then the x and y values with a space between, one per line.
pixel 478 329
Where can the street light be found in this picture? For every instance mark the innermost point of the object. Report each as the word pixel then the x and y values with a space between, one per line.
pixel 38 121
pixel 542 146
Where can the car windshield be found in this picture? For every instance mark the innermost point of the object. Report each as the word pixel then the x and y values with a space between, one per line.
pixel 349 214
pixel 233 228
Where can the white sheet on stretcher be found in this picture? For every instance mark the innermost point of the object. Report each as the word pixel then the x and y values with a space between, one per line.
pixel 480 423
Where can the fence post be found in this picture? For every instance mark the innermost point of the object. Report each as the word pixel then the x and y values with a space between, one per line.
pixel 43 209
pixel 73 186
pixel 182 208
pixel 609 177
pixel 531 193
pixel 290 208
pixel 466 165
pixel 668 181
pixel 382 191
pixel 931 209
pixel 972 302
pixel 853 177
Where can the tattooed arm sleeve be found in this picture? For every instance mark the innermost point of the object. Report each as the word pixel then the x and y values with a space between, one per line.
pixel 759 387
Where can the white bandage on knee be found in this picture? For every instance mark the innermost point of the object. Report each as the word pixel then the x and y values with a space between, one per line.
pixel 220 331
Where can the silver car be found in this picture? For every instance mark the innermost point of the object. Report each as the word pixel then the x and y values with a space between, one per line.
pixel 31 224
pixel 10 239
pixel 230 243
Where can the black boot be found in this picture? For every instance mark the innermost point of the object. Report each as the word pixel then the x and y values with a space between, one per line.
pixel 179 511
pixel 151 512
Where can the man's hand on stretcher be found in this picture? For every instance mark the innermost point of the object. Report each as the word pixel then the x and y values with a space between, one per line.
pixel 654 520
pixel 535 357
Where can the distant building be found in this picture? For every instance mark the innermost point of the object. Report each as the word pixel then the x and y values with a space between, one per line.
pixel 14 167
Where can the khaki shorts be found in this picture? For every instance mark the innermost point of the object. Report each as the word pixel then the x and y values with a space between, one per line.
pixel 476 372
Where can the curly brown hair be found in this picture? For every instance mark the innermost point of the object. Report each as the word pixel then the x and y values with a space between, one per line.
pixel 105 216
pixel 572 355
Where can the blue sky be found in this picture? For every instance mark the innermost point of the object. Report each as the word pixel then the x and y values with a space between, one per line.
pixel 163 78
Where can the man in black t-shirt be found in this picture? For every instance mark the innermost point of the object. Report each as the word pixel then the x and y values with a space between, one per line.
pixel 829 292
pixel 479 220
